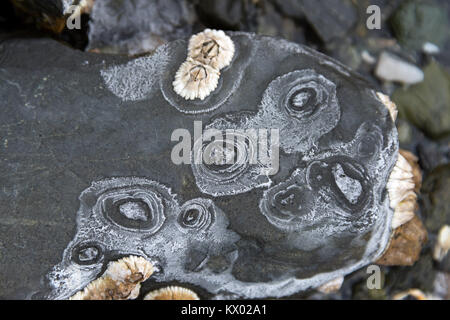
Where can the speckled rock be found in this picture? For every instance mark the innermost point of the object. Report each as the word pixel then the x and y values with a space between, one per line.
pixel 416 22
pixel 331 19
pixel 47 14
pixel 420 276
pixel 138 26
pixel 87 174
pixel 228 14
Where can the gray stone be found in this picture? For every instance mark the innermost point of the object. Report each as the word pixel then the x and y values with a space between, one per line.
pixel 417 22
pixel 138 26
pixel 83 134
pixel 331 19
pixel 427 104
pixel 435 191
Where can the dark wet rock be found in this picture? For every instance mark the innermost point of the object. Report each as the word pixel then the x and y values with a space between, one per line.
pixel 273 23
pixel 444 265
pixel 406 244
pixel 416 22
pixel 421 275
pixel 291 8
pixel 86 142
pixel 228 14
pixel 432 154
pixel 427 104
pixel 46 14
pixel 138 26
pixel 435 195
pixel 346 52
pixel 331 19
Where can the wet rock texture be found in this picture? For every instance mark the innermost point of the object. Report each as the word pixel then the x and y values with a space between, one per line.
pixel 47 14
pixel 427 104
pixel 81 128
pixel 50 162
pixel 138 26
pixel 416 22
pixel 436 205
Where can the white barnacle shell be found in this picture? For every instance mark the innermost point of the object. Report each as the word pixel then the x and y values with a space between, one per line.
pixel 442 244
pixel 121 281
pixel 391 106
pixel 211 47
pixel 195 80
pixel 331 286
pixel 401 192
pixel 172 293
pixel 130 269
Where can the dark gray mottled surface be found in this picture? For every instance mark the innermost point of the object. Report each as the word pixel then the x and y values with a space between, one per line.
pixel 62 128
pixel 138 26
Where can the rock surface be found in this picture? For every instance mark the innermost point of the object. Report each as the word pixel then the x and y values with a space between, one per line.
pixel 427 104
pixel 435 198
pixel 138 26
pixel 76 120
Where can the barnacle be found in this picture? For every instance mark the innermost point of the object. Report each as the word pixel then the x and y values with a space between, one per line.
pixel 121 281
pixel 130 269
pixel 211 47
pixel 195 80
pixel 172 293
pixel 442 244
pixel 409 233
pixel 401 188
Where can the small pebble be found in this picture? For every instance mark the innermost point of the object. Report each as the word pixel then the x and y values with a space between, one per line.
pixel 394 69
pixel 430 48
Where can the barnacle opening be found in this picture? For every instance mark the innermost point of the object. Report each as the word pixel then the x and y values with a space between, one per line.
pixel 212 47
pixel 195 80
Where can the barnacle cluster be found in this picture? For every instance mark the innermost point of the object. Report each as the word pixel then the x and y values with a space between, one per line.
pixel 208 53
pixel 404 180
pixel 401 188
pixel 413 294
pixel 121 280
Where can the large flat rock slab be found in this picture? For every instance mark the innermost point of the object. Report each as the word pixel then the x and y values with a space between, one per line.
pixel 87 175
